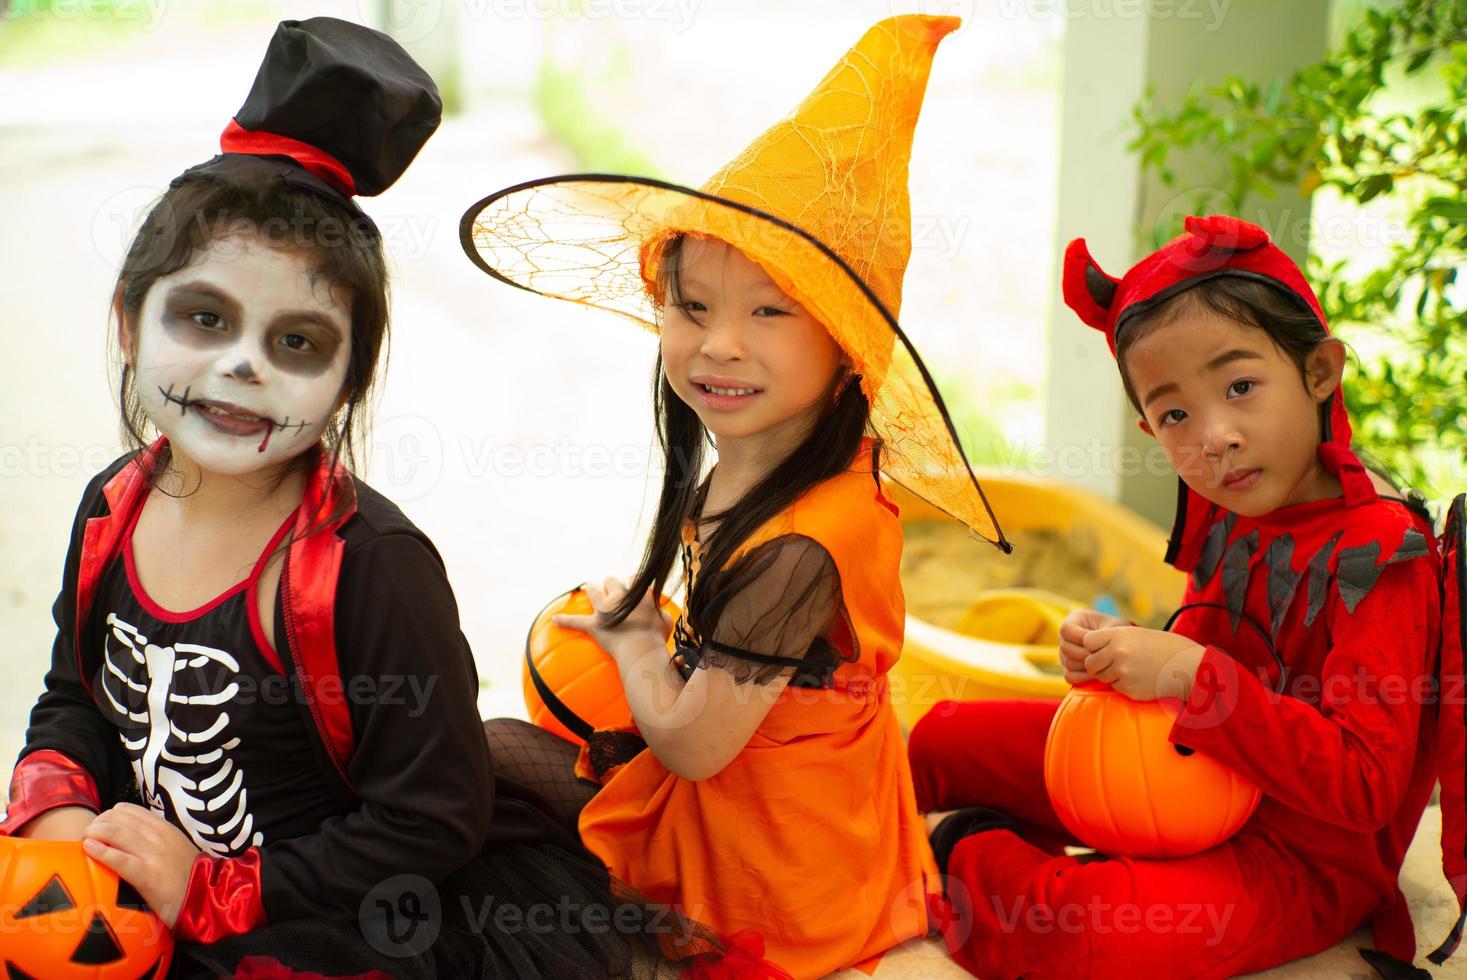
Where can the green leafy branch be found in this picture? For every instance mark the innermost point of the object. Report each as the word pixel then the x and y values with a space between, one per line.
pixel 1334 125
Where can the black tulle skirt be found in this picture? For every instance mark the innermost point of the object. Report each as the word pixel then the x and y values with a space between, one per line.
pixel 533 903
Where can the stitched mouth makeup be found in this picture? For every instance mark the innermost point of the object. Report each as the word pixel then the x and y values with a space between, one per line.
pixel 230 419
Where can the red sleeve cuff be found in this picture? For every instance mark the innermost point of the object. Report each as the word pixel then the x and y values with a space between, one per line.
pixel 223 899
pixel 46 780
pixel 1216 692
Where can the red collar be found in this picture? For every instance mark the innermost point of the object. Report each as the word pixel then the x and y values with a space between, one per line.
pixel 308 582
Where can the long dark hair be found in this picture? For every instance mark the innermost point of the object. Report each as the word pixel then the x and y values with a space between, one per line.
pixel 828 449
pixel 345 246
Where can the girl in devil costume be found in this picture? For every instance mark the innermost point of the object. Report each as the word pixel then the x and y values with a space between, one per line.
pixel 254 647
pixel 1303 657
pixel 764 786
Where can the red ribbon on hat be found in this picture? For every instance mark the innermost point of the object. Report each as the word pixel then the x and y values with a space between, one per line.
pixel 237 139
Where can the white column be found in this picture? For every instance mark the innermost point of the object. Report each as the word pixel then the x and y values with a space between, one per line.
pixel 1110 61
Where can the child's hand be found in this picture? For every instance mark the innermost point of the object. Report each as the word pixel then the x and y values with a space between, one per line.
pixel 647 627
pixel 62 823
pixel 148 852
pixel 1072 652
pixel 1142 664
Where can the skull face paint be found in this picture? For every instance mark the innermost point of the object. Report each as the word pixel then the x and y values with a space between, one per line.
pixel 241 355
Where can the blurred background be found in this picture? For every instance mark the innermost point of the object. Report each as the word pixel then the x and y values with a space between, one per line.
pixel 516 431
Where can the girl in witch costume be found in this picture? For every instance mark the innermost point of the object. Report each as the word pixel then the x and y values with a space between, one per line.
pixel 260 710
pixel 1302 656
pixel 764 785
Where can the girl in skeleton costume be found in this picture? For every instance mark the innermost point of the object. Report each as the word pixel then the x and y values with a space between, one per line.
pixel 1302 656
pixel 764 785
pixel 256 647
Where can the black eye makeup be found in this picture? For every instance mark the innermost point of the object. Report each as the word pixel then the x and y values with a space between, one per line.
pixel 198 316
pixel 311 335
pixel 304 345
pixel 201 315
pixel 300 343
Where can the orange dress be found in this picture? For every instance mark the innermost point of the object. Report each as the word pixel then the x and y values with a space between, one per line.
pixel 811 835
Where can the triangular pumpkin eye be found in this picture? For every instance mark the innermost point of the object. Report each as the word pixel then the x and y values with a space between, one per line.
pixel 129 898
pixel 99 946
pixel 53 898
pixel 13 972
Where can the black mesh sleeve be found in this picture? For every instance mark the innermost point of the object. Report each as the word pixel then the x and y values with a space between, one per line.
pixel 777 611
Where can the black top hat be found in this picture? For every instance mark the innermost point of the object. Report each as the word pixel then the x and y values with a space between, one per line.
pixel 337 108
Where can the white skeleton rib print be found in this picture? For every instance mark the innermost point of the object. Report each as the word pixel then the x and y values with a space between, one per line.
pixel 213 808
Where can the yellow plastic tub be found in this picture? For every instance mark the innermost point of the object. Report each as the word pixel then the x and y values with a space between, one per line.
pixel 938 663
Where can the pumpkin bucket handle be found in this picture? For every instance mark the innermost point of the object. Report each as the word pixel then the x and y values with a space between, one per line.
pixel 558 708
pixel 1277 659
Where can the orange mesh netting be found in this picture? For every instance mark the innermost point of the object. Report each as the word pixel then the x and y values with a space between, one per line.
pixel 819 201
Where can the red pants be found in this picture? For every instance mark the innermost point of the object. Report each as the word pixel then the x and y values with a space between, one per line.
pixel 1018 906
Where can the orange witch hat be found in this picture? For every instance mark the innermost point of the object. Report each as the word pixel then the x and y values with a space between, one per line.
pixel 819 201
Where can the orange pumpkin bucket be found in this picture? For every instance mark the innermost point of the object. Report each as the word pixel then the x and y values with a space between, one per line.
pixel 64 916
pixel 1119 784
pixel 566 669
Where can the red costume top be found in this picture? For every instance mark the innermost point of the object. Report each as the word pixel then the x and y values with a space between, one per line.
pixel 1346 594
pixel 1327 627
